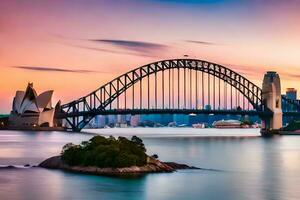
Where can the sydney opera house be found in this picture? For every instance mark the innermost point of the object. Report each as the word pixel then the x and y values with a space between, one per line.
pixel 32 111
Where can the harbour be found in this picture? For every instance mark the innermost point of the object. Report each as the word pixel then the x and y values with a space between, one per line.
pixel 262 168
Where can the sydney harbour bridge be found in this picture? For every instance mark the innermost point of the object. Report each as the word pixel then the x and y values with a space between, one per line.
pixel 184 86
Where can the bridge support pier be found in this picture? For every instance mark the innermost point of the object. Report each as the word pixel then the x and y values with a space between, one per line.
pixel 271 98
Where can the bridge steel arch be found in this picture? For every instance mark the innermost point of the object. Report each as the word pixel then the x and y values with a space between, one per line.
pixel 79 112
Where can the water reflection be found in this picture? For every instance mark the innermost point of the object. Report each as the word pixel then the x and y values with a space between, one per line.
pixel 250 168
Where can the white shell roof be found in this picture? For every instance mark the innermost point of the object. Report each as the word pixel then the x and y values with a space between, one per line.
pixel 44 100
pixel 29 101
pixel 27 104
pixel 18 100
pixel 32 107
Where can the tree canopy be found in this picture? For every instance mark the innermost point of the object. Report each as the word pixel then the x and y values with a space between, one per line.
pixel 106 152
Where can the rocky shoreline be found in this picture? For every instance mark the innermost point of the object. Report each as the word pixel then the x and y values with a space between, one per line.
pixel 153 166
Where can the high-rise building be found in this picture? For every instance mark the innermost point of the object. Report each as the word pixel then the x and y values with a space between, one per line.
pixel 100 121
pixel 291 93
pixel 134 120
pixel 112 119
pixel 121 119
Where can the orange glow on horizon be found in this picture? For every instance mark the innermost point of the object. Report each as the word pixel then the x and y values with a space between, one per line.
pixel 77 37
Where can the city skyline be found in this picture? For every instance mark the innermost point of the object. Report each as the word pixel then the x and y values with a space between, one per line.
pixel 60 45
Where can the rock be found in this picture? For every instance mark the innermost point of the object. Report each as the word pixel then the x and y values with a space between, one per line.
pixel 54 162
pixel 152 166
pixel 154 156
pixel 26 165
pixel 180 166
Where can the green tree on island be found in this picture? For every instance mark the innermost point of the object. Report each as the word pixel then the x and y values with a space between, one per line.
pixel 106 152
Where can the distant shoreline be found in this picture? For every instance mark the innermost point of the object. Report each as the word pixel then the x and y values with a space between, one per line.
pixel 36 128
pixel 175 132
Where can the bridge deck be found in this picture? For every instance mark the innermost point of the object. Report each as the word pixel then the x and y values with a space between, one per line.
pixel 164 111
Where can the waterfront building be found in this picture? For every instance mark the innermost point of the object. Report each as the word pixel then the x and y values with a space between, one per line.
pixel 121 119
pixel 166 119
pixel 151 117
pixel 111 119
pixel 181 119
pixel 291 93
pixel 101 121
pixel 97 122
pixel 128 118
pixel 134 120
pixel 30 110
pixel 3 121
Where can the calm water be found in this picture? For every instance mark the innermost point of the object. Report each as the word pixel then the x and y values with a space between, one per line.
pixel 247 166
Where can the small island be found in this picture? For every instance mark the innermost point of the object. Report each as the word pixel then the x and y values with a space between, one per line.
pixel 111 157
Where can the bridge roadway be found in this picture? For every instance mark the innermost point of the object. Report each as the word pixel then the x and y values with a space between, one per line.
pixel 167 111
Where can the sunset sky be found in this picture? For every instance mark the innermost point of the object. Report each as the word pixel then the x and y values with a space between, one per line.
pixel 75 46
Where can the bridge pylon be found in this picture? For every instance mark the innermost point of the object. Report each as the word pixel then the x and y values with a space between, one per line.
pixel 271 98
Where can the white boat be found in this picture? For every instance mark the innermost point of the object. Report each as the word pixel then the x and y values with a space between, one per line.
pixel 227 124
pixel 198 125
pixel 182 125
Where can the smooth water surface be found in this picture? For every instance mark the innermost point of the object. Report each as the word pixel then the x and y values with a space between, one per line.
pixel 239 163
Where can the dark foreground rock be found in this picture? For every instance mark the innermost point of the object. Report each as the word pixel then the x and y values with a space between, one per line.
pixel 152 166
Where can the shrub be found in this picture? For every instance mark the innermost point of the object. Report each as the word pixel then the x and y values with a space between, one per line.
pixel 106 152
pixel 292 126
